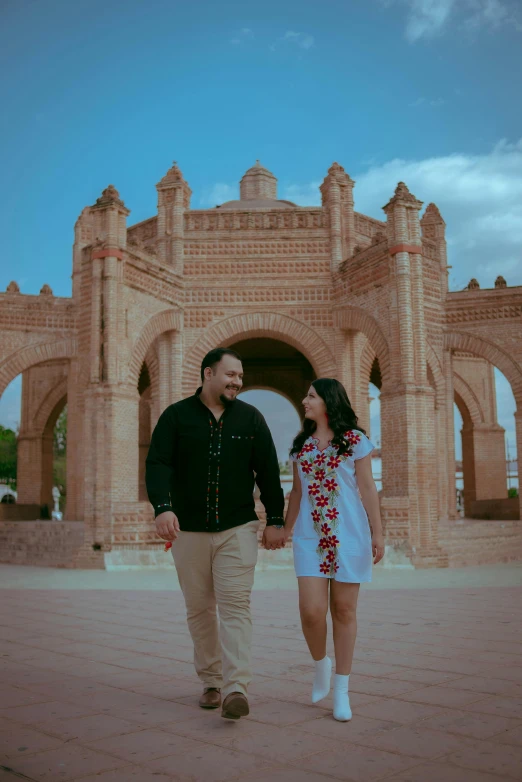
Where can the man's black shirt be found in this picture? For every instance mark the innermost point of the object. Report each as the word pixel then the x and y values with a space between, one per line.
pixel 203 469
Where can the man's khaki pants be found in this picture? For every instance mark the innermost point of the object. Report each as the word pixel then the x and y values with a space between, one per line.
pixel 218 569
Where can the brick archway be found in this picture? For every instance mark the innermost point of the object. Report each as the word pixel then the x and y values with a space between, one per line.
pixel 259 324
pixel 493 353
pixel 15 364
pixel 49 404
pixel 357 319
pixel 166 320
pixel 467 397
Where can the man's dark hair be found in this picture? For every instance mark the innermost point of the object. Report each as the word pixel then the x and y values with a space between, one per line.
pixel 214 357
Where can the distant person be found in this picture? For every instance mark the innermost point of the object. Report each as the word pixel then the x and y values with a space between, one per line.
pixel 334 513
pixel 205 454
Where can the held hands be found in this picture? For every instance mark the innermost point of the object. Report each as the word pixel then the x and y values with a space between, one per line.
pixel 274 538
pixel 167 526
pixel 377 547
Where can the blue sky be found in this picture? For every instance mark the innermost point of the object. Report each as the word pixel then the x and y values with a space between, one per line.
pixel 111 92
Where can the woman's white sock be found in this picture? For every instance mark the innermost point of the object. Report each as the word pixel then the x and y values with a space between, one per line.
pixel 322 679
pixel 342 710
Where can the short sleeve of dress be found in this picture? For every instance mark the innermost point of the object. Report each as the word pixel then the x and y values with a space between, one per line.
pixel 363 447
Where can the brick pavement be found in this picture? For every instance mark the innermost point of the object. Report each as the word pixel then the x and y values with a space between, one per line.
pixel 98 684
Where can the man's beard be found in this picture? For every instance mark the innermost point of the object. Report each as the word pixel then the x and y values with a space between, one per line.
pixel 225 401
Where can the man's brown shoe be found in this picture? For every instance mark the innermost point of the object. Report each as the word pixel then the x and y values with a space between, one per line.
pixel 235 706
pixel 211 698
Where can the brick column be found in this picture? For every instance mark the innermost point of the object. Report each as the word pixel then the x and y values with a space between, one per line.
pixel 75 444
pixel 447 453
pixel 169 357
pixel 173 199
pixel 484 463
pixel 337 199
pixel 409 445
pixel 518 425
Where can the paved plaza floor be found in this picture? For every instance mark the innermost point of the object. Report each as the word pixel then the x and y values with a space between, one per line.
pixel 98 683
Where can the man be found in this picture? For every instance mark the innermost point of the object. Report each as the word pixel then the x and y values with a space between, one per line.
pixel 205 454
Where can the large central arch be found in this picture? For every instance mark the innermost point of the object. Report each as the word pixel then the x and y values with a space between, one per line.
pixel 259 324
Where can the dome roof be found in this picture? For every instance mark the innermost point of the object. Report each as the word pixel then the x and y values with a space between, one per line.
pixel 257 168
pixel 257 203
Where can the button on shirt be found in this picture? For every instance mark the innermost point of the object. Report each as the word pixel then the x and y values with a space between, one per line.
pixel 204 470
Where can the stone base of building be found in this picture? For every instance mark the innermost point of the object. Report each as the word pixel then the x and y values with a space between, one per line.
pixel 41 543
pixel 434 557
pixel 61 544
pixel 472 542
pixel 506 509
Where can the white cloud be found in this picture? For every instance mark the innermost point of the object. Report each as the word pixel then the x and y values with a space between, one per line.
pixel 480 199
pixel 242 36
pixel 429 18
pixel 299 40
pixel 218 194
pixel 434 102
pixel 303 40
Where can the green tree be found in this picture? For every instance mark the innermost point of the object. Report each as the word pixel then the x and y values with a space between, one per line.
pixel 8 440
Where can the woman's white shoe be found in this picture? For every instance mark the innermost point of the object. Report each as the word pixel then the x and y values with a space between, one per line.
pixel 322 679
pixel 342 710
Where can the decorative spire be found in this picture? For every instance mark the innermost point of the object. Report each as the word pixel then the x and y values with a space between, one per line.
pixel 402 195
pixel 432 215
pixel 500 282
pixel 172 177
pixel 46 290
pixel 13 287
pixel 473 285
pixel 109 196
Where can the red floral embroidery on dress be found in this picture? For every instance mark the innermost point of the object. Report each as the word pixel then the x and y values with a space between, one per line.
pixel 334 462
pixel 330 484
pixel 323 491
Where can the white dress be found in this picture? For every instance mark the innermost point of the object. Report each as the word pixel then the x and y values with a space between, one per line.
pixel 332 537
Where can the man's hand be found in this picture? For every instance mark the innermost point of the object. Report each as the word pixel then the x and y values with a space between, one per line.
pixel 273 538
pixel 377 547
pixel 167 525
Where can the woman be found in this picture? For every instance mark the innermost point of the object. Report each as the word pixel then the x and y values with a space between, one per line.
pixel 332 498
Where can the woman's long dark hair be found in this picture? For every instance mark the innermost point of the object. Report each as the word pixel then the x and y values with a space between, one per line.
pixel 341 416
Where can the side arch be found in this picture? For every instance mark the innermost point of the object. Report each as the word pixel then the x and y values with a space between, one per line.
pixel 259 324
pixel 49 404
pixel 15 364
pixel 492 353
pixel 436 371
pixel 357 319
pixel 468 398
pixel 166 320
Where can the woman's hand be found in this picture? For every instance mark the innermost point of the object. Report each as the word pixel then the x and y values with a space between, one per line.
pixel 377 547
